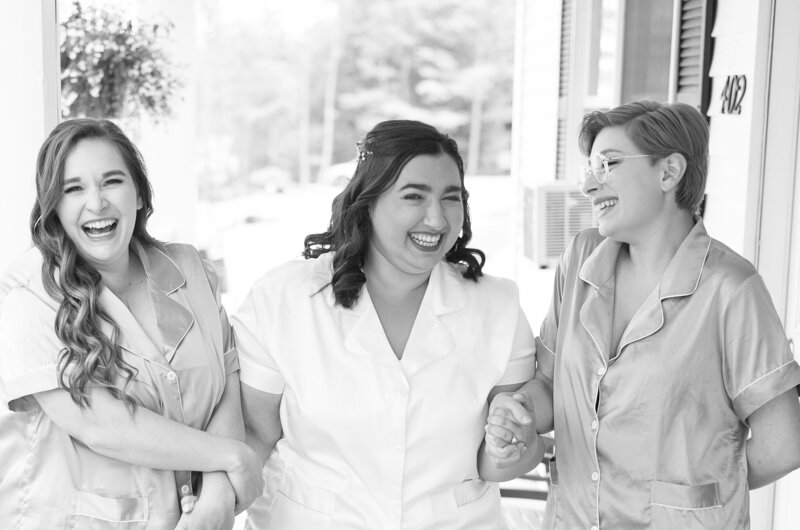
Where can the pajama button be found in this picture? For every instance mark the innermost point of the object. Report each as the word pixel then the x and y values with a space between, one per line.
pixel 171 376
pixel 595 476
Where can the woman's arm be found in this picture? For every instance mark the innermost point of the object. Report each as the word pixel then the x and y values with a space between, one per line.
pixel 262 420
pixel 773 449
pixel 216 503
pixel 147 439
pixel 498 459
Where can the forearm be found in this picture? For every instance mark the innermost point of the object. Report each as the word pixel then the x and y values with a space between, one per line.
pixel 143 438
pixel 226 421
pixel 761 472
pixel 488 469
pixel 540 392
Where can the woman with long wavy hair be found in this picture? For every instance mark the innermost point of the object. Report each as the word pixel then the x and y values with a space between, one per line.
pixel 371 362
pixel 115 356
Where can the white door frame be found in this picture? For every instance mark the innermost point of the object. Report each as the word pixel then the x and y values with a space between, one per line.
pixel 777 225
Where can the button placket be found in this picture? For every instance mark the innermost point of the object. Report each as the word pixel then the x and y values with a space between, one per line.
pixel 399 401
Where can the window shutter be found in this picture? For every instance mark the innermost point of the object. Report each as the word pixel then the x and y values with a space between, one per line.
pixel 694 49
pixel 563 88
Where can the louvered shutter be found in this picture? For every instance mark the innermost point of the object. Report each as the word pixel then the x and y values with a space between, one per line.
pixel 694 53
pixel 563 89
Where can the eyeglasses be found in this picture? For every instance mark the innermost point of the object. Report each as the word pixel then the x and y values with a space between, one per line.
pixel 600 165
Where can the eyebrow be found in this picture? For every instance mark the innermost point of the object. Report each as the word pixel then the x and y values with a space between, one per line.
pixel 427 188
pixel 104 175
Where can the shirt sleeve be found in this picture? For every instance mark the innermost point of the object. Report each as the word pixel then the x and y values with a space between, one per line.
pixel 522 362
pixel 252 324
pixel 759 366
pixel 230 354
pixel 29 347
pixel 548 333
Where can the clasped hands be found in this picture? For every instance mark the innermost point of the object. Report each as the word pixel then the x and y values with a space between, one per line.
pixel 223 496
pixel 510 428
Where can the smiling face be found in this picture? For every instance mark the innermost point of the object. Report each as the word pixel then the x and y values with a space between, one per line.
pixel 631 198
pixel 98 205
pixel 417 220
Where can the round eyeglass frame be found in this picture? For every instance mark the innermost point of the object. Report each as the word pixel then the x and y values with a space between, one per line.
pixel 601 175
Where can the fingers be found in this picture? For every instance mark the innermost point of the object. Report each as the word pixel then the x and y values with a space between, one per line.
pixel 187 503
pixel 183 524
pixel 506 455
pixel 504 426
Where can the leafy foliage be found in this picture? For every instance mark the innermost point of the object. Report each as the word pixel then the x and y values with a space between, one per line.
pixel 433 61
pixel 115 67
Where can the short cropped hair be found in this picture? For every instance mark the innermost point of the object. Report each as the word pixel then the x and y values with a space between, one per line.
pixel 659 130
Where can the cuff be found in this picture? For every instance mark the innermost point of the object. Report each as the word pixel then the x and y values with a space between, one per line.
pixel 39 380
pixel 231 360
pixel 260 377
pixel 765 388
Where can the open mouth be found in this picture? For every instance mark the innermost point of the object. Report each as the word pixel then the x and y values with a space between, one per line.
pixel 604 206
pixel 425 241
pixel 100 229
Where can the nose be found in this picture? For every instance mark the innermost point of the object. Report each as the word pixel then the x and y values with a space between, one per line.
pixel 589 184
pixel 434 216
pixel 95 201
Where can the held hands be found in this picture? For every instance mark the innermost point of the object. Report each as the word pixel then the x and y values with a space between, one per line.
pixel 510 429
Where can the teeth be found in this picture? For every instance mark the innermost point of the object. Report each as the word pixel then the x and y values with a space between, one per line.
pixel 99 225
pixel 426 240
pixel 600 206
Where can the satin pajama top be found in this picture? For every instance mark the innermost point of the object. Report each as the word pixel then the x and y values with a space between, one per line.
pixel 50 480
pixel 653 435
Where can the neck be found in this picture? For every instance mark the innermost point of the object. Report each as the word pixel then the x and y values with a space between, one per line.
pixel 654 249
pixel 121 276
pixel 391 285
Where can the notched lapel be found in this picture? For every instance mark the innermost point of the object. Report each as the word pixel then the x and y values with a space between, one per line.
pixel 165 279
pixel 431 339
pixel 596 315
pixel 131 335
pixel 174 320
pixel 364 333
pixel 647 320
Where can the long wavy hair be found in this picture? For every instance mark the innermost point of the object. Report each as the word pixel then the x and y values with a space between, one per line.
pixel 382 155
pixel 89 357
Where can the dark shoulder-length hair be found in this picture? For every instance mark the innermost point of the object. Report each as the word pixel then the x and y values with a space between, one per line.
pixel 382 155
pixel 89 357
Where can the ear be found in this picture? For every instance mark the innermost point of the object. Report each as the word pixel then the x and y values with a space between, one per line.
pixel 674 167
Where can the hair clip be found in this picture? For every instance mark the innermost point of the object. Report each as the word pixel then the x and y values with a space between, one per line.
pixel 361 151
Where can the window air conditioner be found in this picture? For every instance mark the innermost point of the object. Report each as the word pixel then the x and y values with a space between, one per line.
pixel 553 214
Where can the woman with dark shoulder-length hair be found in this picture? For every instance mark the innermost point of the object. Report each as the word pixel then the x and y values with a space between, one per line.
pixel 662 366
pixel 115 356
pixel 376 356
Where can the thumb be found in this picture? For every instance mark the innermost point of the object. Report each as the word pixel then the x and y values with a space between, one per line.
pixel 519 411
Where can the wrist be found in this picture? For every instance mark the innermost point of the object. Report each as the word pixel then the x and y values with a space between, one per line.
pixel 237 457
pixel 216 484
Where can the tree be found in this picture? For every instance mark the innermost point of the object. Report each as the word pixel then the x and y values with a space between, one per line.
pixel 114 67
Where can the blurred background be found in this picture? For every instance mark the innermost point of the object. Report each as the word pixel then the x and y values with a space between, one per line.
pixel 248 111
